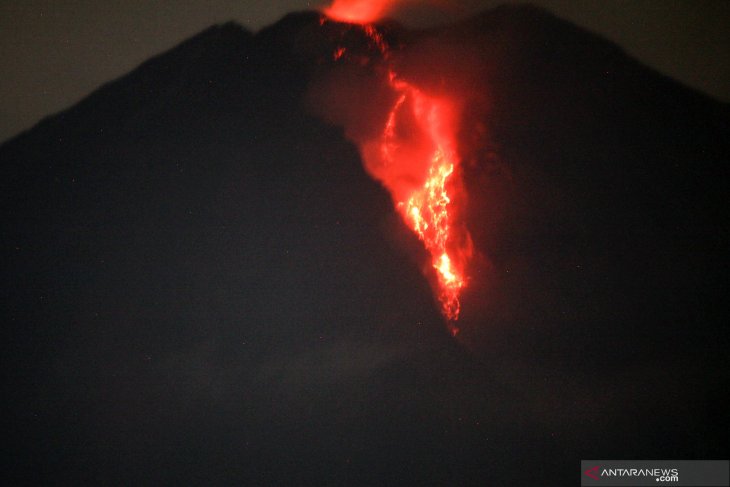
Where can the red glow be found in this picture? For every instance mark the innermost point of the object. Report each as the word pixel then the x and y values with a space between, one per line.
pixel 339 52
pixel 358 11
pixel 416 159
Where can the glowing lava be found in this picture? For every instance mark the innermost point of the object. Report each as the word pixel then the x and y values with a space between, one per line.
pixel 419 138
pixel 416 159
pixel 358 11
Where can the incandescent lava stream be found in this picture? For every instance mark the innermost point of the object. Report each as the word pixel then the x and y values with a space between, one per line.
pixel 416 158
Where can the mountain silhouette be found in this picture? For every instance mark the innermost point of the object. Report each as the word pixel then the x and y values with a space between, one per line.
pixel 202 285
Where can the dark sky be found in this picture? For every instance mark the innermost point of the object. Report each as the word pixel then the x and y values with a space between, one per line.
pixel 52 54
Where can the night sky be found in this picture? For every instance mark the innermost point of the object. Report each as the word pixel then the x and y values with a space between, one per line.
pixel 53 54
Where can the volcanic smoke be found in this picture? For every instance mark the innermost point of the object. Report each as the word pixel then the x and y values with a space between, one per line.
pixel 415 156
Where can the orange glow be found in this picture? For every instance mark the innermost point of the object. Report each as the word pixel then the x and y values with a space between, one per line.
pixel 358 11
pixel 424 184
pixel 416 159
pixel 338 53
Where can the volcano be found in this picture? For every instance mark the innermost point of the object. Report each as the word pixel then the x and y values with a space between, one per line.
pixel 204 284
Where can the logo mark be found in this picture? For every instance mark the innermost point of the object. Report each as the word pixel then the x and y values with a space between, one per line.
pixel 592 472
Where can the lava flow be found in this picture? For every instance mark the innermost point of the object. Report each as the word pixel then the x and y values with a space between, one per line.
pixel 415 157
pixel 357 11
pixel 419 167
